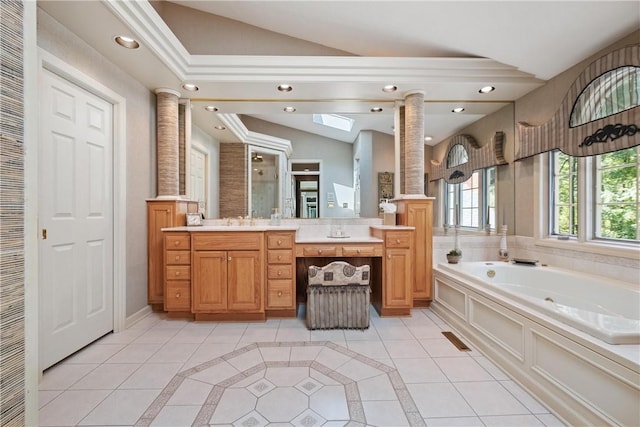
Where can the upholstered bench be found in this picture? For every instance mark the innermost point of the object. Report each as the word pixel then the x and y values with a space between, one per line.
pixel 338 296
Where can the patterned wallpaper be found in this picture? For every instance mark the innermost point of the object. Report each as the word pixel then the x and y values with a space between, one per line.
pixel 12 396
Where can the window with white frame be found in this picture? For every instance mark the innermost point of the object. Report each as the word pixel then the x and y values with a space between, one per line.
pixel 617 205
pixel 464 202
pixel 610 206
pixel 564 194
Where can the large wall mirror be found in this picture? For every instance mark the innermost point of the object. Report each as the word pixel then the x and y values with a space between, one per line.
pixel 345 185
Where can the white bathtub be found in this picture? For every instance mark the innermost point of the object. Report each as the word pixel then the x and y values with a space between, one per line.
pixel 603 308
pixel 559 350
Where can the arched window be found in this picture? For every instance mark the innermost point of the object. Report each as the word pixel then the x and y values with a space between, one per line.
pixel 610 93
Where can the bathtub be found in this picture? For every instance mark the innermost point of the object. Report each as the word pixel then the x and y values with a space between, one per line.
pixel 570 339
pixel 603 308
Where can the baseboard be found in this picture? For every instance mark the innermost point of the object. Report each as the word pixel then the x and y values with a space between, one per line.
pixel 137 316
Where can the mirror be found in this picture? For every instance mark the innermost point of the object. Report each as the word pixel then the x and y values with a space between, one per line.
pixel 349 162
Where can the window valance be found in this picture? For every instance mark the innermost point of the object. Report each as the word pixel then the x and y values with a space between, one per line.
pixel 464 155
pixel 599 114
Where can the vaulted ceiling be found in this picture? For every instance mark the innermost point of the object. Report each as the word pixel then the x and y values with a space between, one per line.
pixel 338 55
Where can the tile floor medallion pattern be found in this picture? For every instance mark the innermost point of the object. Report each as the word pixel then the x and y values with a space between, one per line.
pixel 320 381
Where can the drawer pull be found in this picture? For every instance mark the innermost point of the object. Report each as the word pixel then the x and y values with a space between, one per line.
pixel 279 273
pixel 229 259
pixel 177 273
pixel 358 250
pixel 178 295
pixel 177 257
pixel 279 242
pixel 279 257
pixel 177 243
pixel 320 251
pixel 397 240
pixel 389 256
pixel 279 293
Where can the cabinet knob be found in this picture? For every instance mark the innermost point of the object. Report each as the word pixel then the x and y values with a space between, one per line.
pixel 279 257
pixel 389 256
pixel 178 295
pixel 177 243
pixel 397 240
pixel 279 242
pixel 177 273
pixel 279 293
pixel 229 259
pixel 279 273
pixel 358 250
pixel 320 251
pixel 177 257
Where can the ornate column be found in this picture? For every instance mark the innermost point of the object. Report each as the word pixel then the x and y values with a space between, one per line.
pixel 167 144
pixel 414 143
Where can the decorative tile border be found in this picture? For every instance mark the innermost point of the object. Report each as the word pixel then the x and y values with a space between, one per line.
pixel 352 393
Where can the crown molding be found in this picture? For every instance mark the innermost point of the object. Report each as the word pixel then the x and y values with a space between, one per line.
pixel 235 125
pixel 145 21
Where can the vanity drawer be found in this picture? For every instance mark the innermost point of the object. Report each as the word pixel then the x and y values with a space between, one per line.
pixel 225 241
pixel 178 257
pixel 280 271
pixel 178 272
pixel 172 241
pixel 398 239
pixel 178 296
pixel 280 293
pixel 364 250
pixel 280 256
pixel 277 241
pixel 319 251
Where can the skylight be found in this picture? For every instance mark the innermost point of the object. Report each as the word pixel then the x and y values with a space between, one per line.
pixel 335 121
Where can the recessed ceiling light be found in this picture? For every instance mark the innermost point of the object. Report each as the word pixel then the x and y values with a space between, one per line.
pixel 390 88
pixel 376 110
pixel 219 127
pixel 428 138
pixel 190 87
pixel 458 110
pixel 211 108
pixel 487 89
pixel 127 42
pixel 285 88
pixel 289 109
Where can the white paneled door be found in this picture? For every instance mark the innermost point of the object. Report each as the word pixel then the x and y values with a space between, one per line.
pixel 198 178
pixel 75 199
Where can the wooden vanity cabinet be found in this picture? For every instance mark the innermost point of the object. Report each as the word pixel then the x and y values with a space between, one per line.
pixel 161 214
pixel 281 285
pixel 397 272
pixel 177 273
pixel 418 213
pixel 228 276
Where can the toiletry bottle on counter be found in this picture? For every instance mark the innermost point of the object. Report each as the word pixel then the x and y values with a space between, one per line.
pixel 275 217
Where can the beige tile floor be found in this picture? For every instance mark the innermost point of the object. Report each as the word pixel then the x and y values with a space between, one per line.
pixel 401 371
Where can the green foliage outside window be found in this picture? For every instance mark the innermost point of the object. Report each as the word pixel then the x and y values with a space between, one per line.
pixel 617 202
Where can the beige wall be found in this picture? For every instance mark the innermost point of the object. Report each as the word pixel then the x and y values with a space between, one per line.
pixel 140 137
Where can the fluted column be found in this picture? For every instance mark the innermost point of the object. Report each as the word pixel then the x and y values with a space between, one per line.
pixel 414 143
pixel 167 144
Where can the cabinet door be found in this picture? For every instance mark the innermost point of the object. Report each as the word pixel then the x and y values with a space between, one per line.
pixel 209 281
pixel 245 281
pixel 420 215
pixel 398 278
pixel 160 215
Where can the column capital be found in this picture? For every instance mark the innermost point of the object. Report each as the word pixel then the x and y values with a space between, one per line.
pixel 414 92
pixel 167 90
